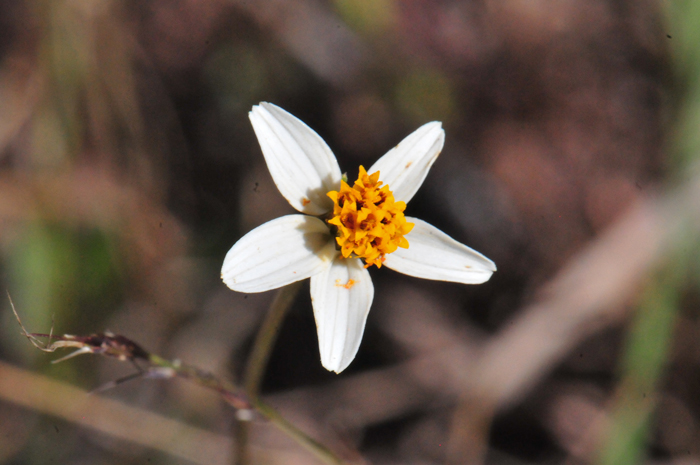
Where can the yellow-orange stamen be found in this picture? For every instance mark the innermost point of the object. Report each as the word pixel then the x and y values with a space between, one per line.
pixel 369 222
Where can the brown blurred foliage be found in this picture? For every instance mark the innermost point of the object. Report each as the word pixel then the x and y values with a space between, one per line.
pixel 128 168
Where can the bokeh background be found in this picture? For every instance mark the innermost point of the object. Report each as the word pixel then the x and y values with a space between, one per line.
pixel 128 168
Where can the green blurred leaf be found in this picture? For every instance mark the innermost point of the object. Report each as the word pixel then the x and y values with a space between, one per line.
pixel 370 17
pixel 426 95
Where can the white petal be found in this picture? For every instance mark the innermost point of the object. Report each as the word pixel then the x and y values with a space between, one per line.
pixel 405 167
pixel 341 297
pixel 277 253
pixel 432 254
pixel 300 162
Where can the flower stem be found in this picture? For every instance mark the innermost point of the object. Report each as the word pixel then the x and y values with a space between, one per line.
pixel 257 363
pixel 265 340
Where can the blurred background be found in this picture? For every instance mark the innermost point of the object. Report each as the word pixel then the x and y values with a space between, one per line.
pixel 128 168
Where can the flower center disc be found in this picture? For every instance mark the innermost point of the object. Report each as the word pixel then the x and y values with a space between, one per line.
pixel 370 222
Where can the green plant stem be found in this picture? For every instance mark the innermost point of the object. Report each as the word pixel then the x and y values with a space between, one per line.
pixel 643 365
pixel 265 340
pixel 257 363
pixel 231 394
pixel 239 400
pixel 319 450
pixel 124 349
pixel 241 437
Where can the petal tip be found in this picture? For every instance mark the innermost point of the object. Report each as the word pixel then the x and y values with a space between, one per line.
pixel 336 367
pixel 435 126
pixel 230 282
pixel 489 265
pixel 257 109
pixel 487 277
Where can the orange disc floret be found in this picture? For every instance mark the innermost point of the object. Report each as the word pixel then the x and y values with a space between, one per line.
pixel 369 222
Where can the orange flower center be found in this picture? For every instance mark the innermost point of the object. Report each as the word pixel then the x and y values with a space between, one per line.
pixel 369 223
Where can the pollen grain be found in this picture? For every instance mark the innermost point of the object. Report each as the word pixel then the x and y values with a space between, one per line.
pixel 348 285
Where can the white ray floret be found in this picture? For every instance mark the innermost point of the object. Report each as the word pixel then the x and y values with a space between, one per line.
pixel 341 296
pixel 300 162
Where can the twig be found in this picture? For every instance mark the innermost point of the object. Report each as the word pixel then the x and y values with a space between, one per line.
pixel 124 349
pixel 587 295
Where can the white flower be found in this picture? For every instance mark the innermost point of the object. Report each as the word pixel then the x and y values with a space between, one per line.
pixel 343 226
